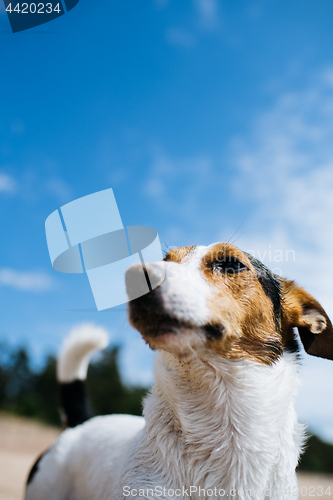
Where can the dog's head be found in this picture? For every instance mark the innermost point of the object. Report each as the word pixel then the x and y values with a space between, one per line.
pixel 222 299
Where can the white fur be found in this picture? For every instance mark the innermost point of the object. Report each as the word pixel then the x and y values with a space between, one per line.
pixel 219 423
pixel 85 462
pixel 76 351
pixel 184 292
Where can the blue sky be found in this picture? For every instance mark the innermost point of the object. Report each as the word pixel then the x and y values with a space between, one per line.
pixel 202 115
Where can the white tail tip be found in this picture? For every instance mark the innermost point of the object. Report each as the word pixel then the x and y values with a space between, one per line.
pixel 76 350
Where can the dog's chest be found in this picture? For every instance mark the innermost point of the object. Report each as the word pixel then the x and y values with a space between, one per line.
pixel 228 438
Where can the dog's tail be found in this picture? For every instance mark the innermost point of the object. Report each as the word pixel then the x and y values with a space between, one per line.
pixel 72 368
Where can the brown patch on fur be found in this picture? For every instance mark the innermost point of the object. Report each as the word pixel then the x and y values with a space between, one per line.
pixel 241 306
pixel 301 310
pixel 179 255
pixel 298 303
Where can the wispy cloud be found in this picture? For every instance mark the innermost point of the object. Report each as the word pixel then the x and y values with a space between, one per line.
pixel 208 13
pixel 25 280
pixel 7 183
pixel 59 188
pixel 284 172
pixel 180 37
pixel 205 18
pixel 285 167
pixel 30 186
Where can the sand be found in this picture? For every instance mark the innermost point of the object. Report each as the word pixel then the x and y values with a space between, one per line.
pixel 22 440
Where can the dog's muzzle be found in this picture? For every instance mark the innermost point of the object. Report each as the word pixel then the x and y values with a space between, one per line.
pixel 140 280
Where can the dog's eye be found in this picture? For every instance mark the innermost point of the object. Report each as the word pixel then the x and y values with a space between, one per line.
pixel 229 265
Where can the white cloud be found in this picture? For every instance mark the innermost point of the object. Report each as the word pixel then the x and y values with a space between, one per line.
pixel 286 168
pixel 7 183
pixel 30 186
pixel 205 19
pixel 25 280
pixel 59 188
pixel 284 171
pixel 208 11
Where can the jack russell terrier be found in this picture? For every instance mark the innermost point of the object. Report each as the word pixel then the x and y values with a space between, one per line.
pixel 219 421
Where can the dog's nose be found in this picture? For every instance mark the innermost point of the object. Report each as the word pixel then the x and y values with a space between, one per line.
pixel 141 280
pixel 136 282
pixel 156 273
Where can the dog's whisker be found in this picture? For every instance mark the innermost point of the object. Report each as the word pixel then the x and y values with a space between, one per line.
pixel 238 237
pixel 238 228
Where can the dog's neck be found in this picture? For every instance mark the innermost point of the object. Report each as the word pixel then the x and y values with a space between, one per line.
pixel 220 422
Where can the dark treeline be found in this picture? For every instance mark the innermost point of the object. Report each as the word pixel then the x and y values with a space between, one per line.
pixel 318 456
pixel 27 393
pixel 35 394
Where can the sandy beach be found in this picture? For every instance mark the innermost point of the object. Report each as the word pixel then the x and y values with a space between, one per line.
pixel 22 440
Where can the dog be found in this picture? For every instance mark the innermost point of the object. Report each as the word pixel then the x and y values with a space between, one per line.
pixel 219 421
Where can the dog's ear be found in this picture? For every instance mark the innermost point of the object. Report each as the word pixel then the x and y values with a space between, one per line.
pixel 301 310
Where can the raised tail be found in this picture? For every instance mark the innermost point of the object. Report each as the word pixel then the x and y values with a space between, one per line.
pixel 72 367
